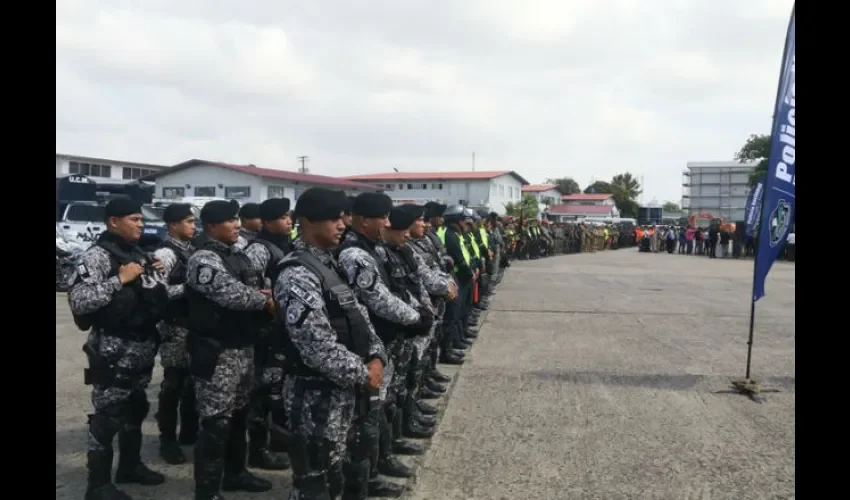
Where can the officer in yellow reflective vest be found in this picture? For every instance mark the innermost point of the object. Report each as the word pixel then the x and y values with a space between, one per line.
pixel 454 321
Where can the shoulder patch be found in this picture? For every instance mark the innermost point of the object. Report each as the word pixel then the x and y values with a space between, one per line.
pixel 366 279
pixel 295 312
pixel 205 275
pixel 82 272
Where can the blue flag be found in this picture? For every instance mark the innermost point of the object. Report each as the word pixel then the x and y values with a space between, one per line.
pixel 779 187
pixel 753 208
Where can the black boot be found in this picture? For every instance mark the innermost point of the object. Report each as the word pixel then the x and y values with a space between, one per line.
pixel 387 464
pixel 405 447
pixel 415 430
pixel 385 489
pixel 166 417
pixel 189 420
pixel 436 376
pixel 130 466
pixel 450 358
pixel 236 476
pixel 259 455
pixel 426 408
pixel 435 386
pixel 426 393
pixel 102 429
pixel 209 458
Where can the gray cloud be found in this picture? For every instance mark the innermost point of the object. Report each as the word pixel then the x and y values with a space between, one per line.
pixel 548 87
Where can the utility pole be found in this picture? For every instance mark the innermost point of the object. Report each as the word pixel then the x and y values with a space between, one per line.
pixel 473 161
pixel 303 160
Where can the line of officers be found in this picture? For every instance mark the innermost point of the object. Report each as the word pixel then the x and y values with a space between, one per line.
pixel 324 346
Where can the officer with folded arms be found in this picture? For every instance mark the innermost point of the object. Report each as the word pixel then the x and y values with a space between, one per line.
pixel 116 294
pixel 227 308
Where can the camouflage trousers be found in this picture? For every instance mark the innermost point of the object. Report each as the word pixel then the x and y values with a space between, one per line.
pixel 172 350
pixel 398 384
pixel 229 388
pixel 120 403
pixel 318 409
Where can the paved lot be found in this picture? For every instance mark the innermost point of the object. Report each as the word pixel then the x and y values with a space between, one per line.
pixel 594 378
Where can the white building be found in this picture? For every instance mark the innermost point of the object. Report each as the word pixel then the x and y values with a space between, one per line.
pixel 244 183
pixel 478 190
pixel 719 188
pixel 547 195
pixel 103 171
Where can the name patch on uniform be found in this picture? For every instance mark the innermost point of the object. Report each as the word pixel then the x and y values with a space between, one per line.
pixel 311 300
pixel 205 275
pixel 83 272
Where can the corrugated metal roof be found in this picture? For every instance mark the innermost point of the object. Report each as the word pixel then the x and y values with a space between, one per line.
pixel 581 209
pixel 586 197
pixel 536 188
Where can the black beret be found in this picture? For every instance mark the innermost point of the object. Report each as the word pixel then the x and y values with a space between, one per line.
pixel 483 214
pixel 274 208
pixel 418 211
pixel 401 219
pixel 218 211
pixel 249 211
pixel 318 204
pixel 434 209
pixel 122 207
pixel 494 215
pixel 176 212
pixel 372 205
pixel 349 202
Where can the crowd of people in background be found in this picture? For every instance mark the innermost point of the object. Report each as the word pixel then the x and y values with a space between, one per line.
pixel 713 242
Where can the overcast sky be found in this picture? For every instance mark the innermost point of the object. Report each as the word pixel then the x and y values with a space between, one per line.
pixel 549 88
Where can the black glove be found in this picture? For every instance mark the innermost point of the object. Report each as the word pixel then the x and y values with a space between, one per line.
pixel 426 320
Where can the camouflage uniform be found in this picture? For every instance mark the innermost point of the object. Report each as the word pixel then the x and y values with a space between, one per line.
pixel 320 413
pixel 222 362
pixel 121 361
pixel 176 390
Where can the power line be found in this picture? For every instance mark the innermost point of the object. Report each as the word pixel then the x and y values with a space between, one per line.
pixel 303 160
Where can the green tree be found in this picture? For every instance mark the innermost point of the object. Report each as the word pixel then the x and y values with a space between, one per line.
pixel 669 206
pixel 566 185
pixel 627 182
pixel 627 206
pixel 599 187
pixel 529 207
pixel 756 149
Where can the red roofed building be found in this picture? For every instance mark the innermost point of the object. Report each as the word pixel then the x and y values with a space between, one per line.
pixel 547 195
pixel 245 183
pixel 487 190
pixel 568 212
pixel 588 199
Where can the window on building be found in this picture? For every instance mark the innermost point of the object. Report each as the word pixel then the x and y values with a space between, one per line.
pixel 237 192
pixel 173 192
pixel 204 190
pixel 501 190
pixel 401 187
pixel 510 192
pixel 438 185
pixel 276 192
pixel 89 169
pixel 135 173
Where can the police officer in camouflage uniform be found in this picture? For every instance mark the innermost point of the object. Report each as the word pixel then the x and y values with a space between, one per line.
pixel 176 391
pixel 267 249
pixel 227 309
pixel 393 310
pixel 250 224
pixel 337 360
pixel 115 293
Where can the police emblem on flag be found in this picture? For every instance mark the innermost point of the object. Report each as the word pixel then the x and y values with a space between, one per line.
pixel 780 219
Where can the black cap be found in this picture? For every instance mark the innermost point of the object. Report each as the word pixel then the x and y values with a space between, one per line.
pixel 249 211
pixel 372 205
pixel 434 209
pixel 349 202
pixel 274 208
pixel 176 212
pixel 122 207
pixel 218 211
pixel 401 219
pixel 318 204
pixel 418 211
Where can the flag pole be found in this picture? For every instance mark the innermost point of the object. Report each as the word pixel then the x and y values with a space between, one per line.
pixel 747 386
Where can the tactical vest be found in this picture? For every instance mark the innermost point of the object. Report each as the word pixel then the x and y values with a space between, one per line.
pixel 133 311
pixel 233 329
pixel 484 240
pixel 428 252
pixel 470 240
pixel 351 327
pixel 386 330
pixel 467 258
pixel 441 233
pixel 177 312
pixel 276 253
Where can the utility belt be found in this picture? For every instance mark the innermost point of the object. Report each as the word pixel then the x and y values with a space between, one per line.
pixel 203 355
pixel 103 373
